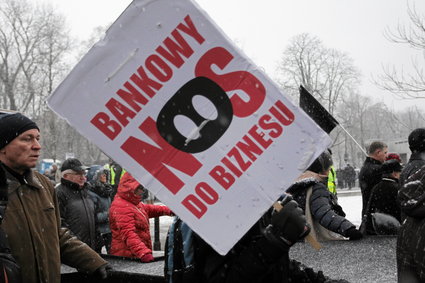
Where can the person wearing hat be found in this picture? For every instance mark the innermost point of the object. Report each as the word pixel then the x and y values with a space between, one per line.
pixel 32 221
pixel 77 208
pixel 416 142
pixel 320 207
pixel 383 198
pixel 395 156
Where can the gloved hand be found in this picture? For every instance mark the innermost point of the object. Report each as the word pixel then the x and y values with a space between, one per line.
pixel 288 225
pixel 103 271
pixel 353 234
pixel 147 258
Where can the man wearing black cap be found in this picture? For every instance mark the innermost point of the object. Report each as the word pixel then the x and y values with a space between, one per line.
pixel 416 141
pixel 76 207
pixel 32 221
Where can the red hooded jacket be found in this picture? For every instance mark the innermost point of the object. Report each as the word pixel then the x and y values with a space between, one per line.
pixel 129 220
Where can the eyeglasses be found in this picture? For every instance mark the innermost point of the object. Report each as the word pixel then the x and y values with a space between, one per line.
pixel 79 174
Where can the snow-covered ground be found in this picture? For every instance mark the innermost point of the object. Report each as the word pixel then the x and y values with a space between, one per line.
pixel 352 206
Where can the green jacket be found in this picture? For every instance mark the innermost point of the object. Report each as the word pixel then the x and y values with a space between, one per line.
pixel 37 241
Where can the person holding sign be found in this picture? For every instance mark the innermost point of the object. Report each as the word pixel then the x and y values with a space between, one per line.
pixel 321 209
pixel 32 222
pixel 261 255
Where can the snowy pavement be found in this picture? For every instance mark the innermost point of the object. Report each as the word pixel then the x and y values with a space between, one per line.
pixel 371 259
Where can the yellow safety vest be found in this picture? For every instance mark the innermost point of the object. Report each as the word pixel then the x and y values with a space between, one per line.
pixel 332 180
pixel 111 169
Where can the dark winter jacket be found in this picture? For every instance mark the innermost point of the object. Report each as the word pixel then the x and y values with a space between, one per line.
pixel 383 199
pixel 411 240
pixel 101 195
pixel 323 205
pixel 77 211
pixel 32 225
pixel 253 259
pixel 129 220
pixel 369 176
pixel 416 161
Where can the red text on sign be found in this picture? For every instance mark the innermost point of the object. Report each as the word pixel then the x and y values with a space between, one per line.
pixel 239 158
pixel 147 80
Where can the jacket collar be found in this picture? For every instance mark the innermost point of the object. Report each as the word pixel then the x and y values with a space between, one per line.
pixel 372 160
pixel 417 155
pixel 15 180
pixel 390 179
pixel 304 181
pixel 72 185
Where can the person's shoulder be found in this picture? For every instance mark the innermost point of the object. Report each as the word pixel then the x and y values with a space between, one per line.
pixel 45 182
pixel 320 189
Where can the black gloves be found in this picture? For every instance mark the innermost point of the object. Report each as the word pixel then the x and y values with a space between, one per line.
pixel 353 234
pixel 103 271
pixel 288 225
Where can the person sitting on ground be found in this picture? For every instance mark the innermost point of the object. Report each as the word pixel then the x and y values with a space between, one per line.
pixel 322 211
pixel 383 198
pixel 129 221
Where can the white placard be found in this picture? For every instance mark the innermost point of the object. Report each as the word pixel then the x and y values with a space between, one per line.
pixel 170 98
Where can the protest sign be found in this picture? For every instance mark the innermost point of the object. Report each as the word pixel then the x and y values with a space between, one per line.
pixel 167 96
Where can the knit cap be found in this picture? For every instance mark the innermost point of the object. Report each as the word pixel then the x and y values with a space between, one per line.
pixel 12 125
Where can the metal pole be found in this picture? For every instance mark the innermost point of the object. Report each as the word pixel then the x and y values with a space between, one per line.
pixel 157 241
pixel 156 238
pixel 353 139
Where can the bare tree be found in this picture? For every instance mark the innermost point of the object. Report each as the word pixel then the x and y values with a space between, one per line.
pixel 406 85
pixel 302 63
pixel 33 41
pixel 327 73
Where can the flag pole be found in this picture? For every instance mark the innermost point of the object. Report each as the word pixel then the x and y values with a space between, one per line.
pixel 353 139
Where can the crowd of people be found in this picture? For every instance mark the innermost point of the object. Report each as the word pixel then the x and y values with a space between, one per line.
pixel 70 220
pixel 346 177
pixel 45 222
pixel 393 201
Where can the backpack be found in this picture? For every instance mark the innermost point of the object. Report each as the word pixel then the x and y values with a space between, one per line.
pixel 179 249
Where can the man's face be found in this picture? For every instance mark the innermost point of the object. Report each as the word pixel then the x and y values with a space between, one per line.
pixel 381 154
pixel 23 152
pixel 76 177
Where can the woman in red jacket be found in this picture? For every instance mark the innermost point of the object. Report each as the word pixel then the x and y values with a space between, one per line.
pixel 129 221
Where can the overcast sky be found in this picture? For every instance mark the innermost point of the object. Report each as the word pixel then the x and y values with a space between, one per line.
pixel 263 30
